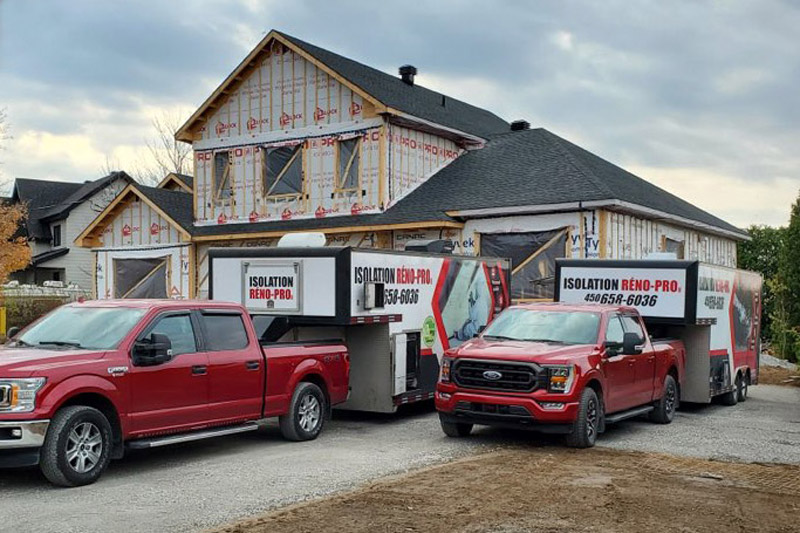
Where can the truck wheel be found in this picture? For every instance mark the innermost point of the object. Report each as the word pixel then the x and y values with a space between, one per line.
pixel 306 414
pixel 741 390
pixel 77 447
pixel 665 408
pixel 455 429
pixel 732 397
pixel 584 429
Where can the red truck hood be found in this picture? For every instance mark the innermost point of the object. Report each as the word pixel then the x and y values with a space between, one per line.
pixel 534 352
pixel 26 361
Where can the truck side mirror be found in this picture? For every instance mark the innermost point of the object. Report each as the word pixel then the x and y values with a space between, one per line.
pixel 631 344
pixel 12 332
pixel 153 350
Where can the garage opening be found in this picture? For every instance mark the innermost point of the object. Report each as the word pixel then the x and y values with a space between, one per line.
pixel 533 260
pixel 141 278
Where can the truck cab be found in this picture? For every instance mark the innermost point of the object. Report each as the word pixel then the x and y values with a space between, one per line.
pixel 560 368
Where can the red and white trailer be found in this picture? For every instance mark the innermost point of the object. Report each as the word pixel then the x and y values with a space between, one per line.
pixel 714 310
pixel 398 312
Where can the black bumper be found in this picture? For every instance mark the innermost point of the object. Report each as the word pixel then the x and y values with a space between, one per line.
pixel 19 458
pixel 514 420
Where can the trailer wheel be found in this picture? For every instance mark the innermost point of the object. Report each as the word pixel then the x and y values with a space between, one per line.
pixel 77 447
pixel 741 389
pixel 586 425
pixel 455 429
pixel 732 397
pixel 665 408
pixel 306 414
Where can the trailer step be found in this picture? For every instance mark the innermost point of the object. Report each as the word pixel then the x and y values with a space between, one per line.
pixel 156 442
pixel 636 411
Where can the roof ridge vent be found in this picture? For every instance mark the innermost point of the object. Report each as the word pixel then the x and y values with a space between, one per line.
pixel 520 125
pixel 407 73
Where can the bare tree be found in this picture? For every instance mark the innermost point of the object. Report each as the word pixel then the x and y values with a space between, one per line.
pixel 168 154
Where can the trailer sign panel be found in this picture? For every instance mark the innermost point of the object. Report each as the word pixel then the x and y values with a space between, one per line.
pixel 271 286
pixel 654 292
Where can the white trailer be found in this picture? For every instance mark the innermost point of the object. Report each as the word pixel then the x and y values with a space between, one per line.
pixel 714 310
pixel 398 312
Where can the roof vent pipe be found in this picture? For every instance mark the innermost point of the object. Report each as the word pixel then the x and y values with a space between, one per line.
pixel 407 73
pixel 519 125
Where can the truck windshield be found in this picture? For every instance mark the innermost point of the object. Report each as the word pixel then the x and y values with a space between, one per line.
pixel 92 328
pixel 563 327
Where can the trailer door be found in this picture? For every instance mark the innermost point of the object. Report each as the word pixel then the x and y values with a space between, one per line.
pixel 399 363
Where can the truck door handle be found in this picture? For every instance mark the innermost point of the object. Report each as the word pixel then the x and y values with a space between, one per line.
pixel 252 365
pixel 199 370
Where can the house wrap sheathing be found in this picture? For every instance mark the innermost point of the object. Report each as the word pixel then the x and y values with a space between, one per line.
pixel 299 138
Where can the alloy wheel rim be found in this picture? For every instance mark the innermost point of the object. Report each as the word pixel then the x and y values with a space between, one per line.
pixel 670 400
pixel 310 413
pixel 84 447
pixel 591 419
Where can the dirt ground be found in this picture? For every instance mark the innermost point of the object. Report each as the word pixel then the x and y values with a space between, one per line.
pixel 770 375
pixel 558 490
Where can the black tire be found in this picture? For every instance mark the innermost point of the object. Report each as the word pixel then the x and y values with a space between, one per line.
pixel 455 429
pixel 306 416
pixel 589 419
pixel 732 398
pixel 665 408
pixel 77 447
pixel 742 389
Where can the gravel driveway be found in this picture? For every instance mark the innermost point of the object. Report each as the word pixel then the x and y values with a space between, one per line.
pixel 197 485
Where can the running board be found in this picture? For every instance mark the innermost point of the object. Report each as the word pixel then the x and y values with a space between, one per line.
pixel 156 442
pixel 616 417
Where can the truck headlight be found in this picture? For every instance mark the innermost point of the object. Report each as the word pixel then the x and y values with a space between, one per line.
pixel 444 375
pixel 560 378
pixel 19 395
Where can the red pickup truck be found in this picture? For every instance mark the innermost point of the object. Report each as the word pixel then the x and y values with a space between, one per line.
pixel 91 379
pixel 560 368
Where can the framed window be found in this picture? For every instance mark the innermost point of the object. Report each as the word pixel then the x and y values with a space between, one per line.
pixel 282 169
pixel 141 277
pixel 224 332
pixel 349 158
pixel 179 330
pixel 56 235
pixel 675 247
pixel 222 175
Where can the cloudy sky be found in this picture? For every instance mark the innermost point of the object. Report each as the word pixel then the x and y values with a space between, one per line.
pixel 700 97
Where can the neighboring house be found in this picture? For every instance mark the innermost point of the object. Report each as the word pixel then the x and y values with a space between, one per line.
pixel 298 138
pixel 57 213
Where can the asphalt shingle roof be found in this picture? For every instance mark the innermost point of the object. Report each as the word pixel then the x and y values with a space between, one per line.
pixel 188 180
pixel 176 204
pixel 412 99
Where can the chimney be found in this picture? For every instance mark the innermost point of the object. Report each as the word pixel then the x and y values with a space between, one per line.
pixel 407 73
pixel 519 125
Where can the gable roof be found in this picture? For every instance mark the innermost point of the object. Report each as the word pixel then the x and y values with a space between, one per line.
pixel 184 181
pixel 414 99
pixel 393 95
pixel 516 169
pixel 174 206
pixel 53 200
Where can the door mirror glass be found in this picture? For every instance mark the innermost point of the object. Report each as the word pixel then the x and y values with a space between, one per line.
pixel 632 344
pixel 154 349
pixel 12 332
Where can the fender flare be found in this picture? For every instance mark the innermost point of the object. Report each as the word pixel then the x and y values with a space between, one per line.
pixel 81 384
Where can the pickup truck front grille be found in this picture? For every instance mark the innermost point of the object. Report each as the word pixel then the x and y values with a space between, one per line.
pixel 5 395
pixel 496 375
